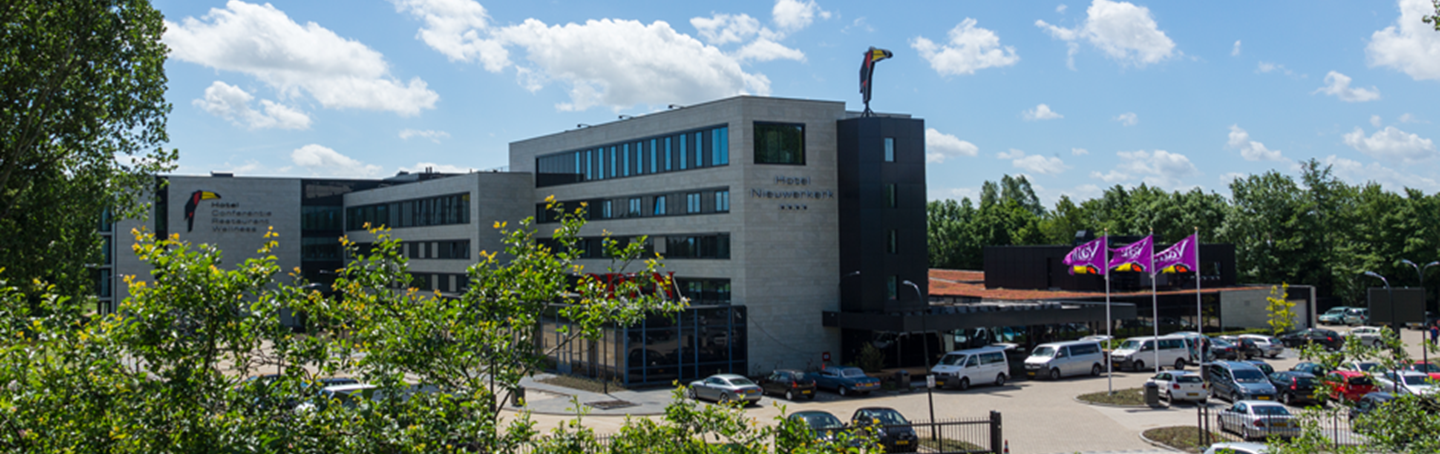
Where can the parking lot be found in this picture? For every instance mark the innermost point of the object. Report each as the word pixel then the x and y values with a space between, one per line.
pixel 1040 416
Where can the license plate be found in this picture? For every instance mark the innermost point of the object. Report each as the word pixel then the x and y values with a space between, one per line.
pixel 1032 373
pixel 805 392
pixel 902 442
pixel 1263 397
pixel 1191 394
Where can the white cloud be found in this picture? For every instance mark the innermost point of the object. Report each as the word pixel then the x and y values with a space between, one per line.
pixel 1127 119
pixel 454 28
pixel 433 135
pixel 954 193
pixel 939 146
pixel 1410 45
pixel 1061 9
pixel 1356 173
pixel 1408 118
pixel 1079 151
pixel 321 160
pixel 1123 31
pixel 233 103
pixel 1113 176
pixel 726 28
pixel 1045 165
pixel 1391 144
pixel 1236 50
pixel 1249 149
pixel 1160 168
pixel 765 50
pixel 1338 85
pixel 858 24
pixel 792 15
pixel 1375 120
pixel 970 48
pixel 421 167
pixel 1229 177
pixel 262 41
pixel 1041 112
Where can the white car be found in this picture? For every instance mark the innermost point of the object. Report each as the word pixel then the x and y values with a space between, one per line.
pixel 1271 346
pixel 1181 385
pixel 1369 335
pixel 1409 382
pixel 1238 448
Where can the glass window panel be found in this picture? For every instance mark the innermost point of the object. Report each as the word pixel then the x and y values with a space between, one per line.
pixel 889 149
pixel 683 153
pixel 779 143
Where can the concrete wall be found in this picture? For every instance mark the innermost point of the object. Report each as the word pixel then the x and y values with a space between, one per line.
pixel 1247 309
pixel 783 262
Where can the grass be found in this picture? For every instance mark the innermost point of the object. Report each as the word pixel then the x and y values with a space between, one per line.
pixel 1183 437
pixel 581 383
pixel 1126 397
pixel 949 445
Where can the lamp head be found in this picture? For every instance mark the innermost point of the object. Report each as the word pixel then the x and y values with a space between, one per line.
pixel 1408 262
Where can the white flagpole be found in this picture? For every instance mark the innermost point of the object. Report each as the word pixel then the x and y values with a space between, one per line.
pixel 1109 364
pixel 1154 302
pixel 1199 313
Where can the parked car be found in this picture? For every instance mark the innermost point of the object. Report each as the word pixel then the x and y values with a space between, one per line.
pixel 1330 339
pixel 1349 385
pixel 1405 382
pixel 792 384
pixel 1238 448
pixel 1254 419
pixel 1426 367
pixel 1294 388
pixel 724 388
pixel 1181 385
pixel 845 380
pixel 1366 404
pixel 1362 366
pixel 824 426
pixel 1136 352
pixel 1357 316
pixel 1334 316
pixel 961 368
pixel 1269 346
pixel 890 427
pixel 1058 359
pixel 1236 381
pixel 347 395
pixel 1316 369
pixel 1369 335
pixel 1262 365
pixel 1221 349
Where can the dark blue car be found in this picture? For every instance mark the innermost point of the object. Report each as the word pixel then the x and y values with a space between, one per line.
pixel 846 380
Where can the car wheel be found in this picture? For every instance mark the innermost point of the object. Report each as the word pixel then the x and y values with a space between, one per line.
pixel 1169 397
pixel 842 391
pixel 1000 380
pixel 964 383
pixel 1285 398
pixel 1179 364
pixel 1139 366
pixel 691 394
pixel 789 395
pixel 724 399
pixel 1054 374
pixel 1095 370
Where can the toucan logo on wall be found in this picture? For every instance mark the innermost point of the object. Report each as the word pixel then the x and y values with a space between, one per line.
pixel 190 205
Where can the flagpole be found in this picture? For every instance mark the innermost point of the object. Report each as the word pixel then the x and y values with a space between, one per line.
pixel 1109 364
pixel 1199 311
pixel 1154 302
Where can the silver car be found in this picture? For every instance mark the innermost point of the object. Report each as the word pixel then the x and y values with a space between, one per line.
pixel 1253 419
pixel 1271 346
pixel 724 388
pixel 1404 382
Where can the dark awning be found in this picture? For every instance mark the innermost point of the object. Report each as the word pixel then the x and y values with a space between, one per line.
pixel 946 318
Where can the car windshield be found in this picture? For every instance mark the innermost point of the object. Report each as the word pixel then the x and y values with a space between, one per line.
pixel 1270 410
pixel 951 360
pixel 852 372
pixel 822 421
pixel 889 418
pixel 1360 381
pixel 1249 376
pixel 1425 367
pixel 1130 345
pixel 741 381
pixel 1043 352
pixel 1188 379
pixel 1338 310
pixel 1305 382
pixel 1416 380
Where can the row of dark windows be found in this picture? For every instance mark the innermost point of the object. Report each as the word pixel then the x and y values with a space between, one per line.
pixel 441 210
pixel 321 218
pixel 701 246
pixel 704 201
pixel 694 149
pixel 445 249
pixel 443 282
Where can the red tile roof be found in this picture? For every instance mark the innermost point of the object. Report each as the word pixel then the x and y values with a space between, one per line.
pixel 966 283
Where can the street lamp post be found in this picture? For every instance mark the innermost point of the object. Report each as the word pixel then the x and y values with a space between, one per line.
pixel 1420 272
pixel 925 343
pixel 1391 293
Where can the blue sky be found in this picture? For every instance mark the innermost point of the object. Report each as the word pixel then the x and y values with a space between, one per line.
pixel 1078 96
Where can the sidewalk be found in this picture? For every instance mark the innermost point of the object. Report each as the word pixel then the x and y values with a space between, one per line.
pixel 546 399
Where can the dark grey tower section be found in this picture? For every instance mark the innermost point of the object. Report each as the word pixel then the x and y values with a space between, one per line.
pixel 882 214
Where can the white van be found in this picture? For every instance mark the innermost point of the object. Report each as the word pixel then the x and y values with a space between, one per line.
pixel 960 368
pixel 1059 359
pixel 1138 352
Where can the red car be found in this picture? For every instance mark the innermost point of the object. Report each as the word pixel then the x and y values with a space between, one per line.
pixel 1429 368
pixel 1350 385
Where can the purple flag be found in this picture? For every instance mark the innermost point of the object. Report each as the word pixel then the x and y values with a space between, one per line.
pixel 1183 257
pixel 1135 257
pixel 1088 258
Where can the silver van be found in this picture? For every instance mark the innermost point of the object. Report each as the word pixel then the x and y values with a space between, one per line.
pixel 1059 359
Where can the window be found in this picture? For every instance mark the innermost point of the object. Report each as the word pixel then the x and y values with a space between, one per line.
pixel 890 196
pixel 589 175
pixel 722 201
pixel 720 146
pixel 634 208
pixel 659 205
pixel 714 246
pixel 699 159
pixel 605 210
pixel 889 149
pixel 777 143
pixel 613 162
pixel 890 284
pixel 653 167
pixel 600 164
pixel 667 154
pixel 683 153
pixel 891 244
pixel 441 210
pixel 625 160
pixel 692 202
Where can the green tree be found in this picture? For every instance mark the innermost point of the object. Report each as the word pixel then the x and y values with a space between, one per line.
pixel 1280 310
pixel 1434 18
pixel 82 115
